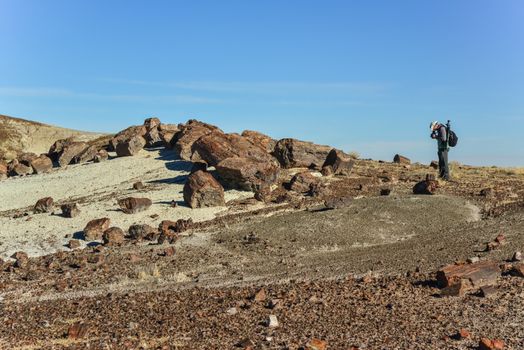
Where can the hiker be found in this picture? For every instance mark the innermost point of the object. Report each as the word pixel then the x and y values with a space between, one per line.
pixel 439 132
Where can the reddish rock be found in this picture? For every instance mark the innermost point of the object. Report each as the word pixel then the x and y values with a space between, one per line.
pixel 488 344
pixel 247 174
pixel 316 344
pixel 260 296
pixel 217 146
pixel 113 236
pixel 153 138
pixel 101 156
pixel 77 330
pixel 42 164
pixel 501 239
pixel 260 140
pixel 86 155
pixel 401 159
pixel 126 135
pixel 303 182
pixel 479 274
pixel 463 334
pixel 3 171
pixel 44 205
pixel 166 133
pixel 457 289
pixel 293 153
pixel 70 210
pixel 340 163
pixel 95 229
pixel 133 205
pixel 189 133
pixel 170 251
pixel 170 228
pixel 70 151
pixel 142 231
pixel 130 147
pixel 57 148
pixel 203 190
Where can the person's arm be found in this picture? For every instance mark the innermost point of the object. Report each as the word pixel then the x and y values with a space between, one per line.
pixel 443 134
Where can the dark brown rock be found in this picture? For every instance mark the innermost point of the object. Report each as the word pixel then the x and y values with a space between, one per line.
pixel 73 244
pixel 189 133
pixel 203 190
pixel 27 158
pixel 246 173
pixel 70 151
pixel 133 205
pixel 263 194
pixel 101 156
pixel 95 229
pixel 166 133
pixel 433 164
pixel 302 182
pixel 153 138
pixel 86 155
pixel 401 159
pixel 260 140
pixel 428 186
pixel 44 205
pixel 113 236
pixel 70 210
pixel 151 123
pixel 142 231
pixel 130 147
pixel 198 166
pixel 217 146
pixel 57 148
pixel 169 230
pixel 457 289
pixel 126 135
pixel 486 192
pixel 42 164
pixel 341 163
pixel 293 153
pixel 385 192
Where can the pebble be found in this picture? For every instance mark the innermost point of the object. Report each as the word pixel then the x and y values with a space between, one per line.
pixel 273 321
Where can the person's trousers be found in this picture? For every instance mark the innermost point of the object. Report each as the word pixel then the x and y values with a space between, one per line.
pixel 443 164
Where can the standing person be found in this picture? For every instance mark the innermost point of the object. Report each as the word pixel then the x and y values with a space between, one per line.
pixel 439 132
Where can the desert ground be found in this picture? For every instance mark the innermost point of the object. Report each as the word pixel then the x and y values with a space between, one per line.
pixel 351 263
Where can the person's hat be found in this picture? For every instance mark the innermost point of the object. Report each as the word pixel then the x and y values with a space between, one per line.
pixel 433 124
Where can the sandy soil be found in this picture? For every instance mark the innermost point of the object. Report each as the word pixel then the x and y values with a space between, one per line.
pixel 96 187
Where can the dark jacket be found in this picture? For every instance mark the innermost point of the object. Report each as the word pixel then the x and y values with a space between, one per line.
pixel 442 138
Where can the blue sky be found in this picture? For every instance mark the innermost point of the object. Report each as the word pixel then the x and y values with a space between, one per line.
pixel 365 76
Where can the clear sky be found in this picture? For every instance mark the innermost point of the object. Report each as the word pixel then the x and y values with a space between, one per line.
pixel 365 76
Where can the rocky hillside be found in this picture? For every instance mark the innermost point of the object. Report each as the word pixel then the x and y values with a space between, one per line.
pixel 20 135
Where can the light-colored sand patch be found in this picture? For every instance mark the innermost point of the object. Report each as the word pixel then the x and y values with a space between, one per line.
pixel 96 187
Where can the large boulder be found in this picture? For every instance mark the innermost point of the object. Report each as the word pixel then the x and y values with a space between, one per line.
pixel 189 133
pixel 401 159
pixel 95 229
pixel 293 153
pixel 42 164
pixel 260 140
pixel 246 173
pixel 127 134
pixel 27 158
pixel 113 236
pixel 338 163
pixel 57 148
pixel 303 182
pixel 130 147
pixel 203 190
pixel 15 168
pixel 166 132
pixel 86 155
pixel 70 151
pixel 217 146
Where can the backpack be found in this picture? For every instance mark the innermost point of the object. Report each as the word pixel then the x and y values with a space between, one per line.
pixel 452 137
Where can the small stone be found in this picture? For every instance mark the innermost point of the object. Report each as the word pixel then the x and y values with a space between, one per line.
pixel 138 185
pixel 70 210
pixel 101 156
pixel 232 311
pixel 260 296
pixel 517 256
pixel 385 192
pixel 113 236
pixel 170 251
pixel 488 344
pixel 22 259
pixel 492 246
pixel 142 231
pixel 316 344
pixel 95 229
pixel 73 244
pixel 473 260
pixel 44 205
pixel 134 205
pixel 272 321
pixel 500 239
pixel 463 334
